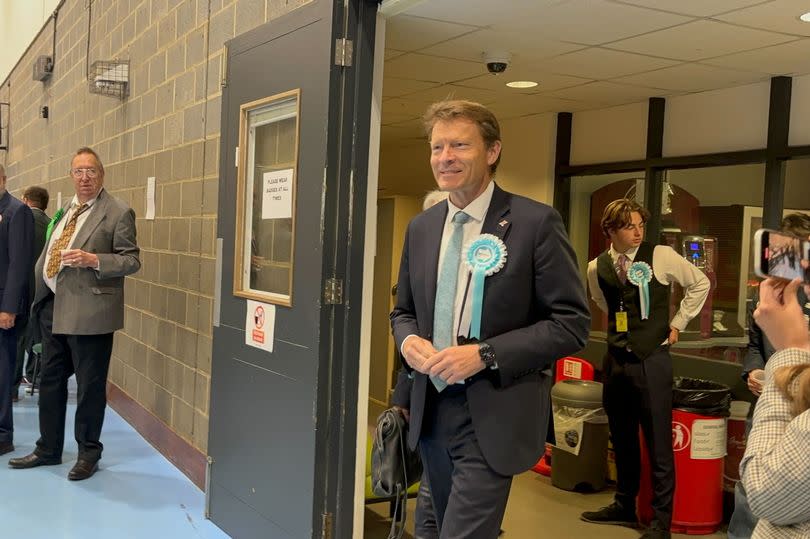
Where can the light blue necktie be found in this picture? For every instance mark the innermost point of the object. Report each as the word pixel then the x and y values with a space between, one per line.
pixel 444 307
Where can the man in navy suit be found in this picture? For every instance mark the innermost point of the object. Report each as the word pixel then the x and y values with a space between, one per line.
pixel 16 253
pixel 480 356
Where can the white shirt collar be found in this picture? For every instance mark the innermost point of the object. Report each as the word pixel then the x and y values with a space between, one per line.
pixel 630 253
pixel 477 209
pixel 74 203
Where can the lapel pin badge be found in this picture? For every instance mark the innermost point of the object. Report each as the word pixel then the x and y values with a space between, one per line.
pixel 503 223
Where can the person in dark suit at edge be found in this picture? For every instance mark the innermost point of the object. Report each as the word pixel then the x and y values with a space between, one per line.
pixel 35 198
pixel 16 246
pixel 80 304
pixel 480 356
pixel 631 282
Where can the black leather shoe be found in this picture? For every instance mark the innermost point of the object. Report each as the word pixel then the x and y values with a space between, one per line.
pixel 32 461
pixel 83 469
pixel 6 447
pixel 612 514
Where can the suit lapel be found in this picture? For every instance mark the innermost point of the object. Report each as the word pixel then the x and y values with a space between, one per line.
pixel 432 244
pixel 497 221
pixel 4 201
pixel 97 214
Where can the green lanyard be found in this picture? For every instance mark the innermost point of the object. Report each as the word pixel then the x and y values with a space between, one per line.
pixel 57 216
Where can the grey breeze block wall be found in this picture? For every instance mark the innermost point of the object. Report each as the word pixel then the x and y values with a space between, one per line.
pixel 168 128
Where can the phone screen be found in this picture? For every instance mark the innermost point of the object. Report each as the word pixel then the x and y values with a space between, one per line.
pixel 781 256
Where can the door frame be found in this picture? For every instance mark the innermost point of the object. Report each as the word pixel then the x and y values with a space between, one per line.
pixel 347 257
pixel 346 200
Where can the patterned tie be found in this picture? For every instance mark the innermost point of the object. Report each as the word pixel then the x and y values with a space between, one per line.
pixel 444 307
pixel 621 268
pixel 62 242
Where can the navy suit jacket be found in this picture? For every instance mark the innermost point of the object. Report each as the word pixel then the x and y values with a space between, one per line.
pixel 16 255
pixel 534 312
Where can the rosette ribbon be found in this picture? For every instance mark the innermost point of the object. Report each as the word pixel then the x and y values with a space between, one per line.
pixel 640 274
pixel 483 255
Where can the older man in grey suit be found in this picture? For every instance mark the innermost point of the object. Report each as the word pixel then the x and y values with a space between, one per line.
pixel 80 303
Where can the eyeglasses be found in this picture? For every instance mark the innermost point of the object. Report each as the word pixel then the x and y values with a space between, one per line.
pixel 78 173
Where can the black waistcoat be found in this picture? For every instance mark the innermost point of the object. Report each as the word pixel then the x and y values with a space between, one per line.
pixel 642 336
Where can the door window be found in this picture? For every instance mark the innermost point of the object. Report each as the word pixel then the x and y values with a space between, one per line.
pixel 265 216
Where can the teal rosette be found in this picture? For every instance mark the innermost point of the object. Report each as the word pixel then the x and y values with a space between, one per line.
pixel 640 274
pixel 484 256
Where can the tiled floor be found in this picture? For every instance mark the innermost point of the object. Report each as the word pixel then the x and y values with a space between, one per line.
pixel 136 493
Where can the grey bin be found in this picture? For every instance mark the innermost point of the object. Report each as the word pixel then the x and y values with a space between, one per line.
pixel 588 469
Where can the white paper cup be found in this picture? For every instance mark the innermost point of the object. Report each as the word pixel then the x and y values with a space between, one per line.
pixel 62 256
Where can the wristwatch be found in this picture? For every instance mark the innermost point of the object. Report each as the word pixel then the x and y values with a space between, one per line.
pixel 487 354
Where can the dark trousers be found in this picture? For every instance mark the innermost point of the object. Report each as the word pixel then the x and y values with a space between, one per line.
pixel 88 356
pixel 424 524
pixel 24 344
pixel 8 348
pixel 468 496
pixel 640 393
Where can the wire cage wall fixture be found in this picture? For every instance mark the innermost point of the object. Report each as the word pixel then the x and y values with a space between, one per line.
pixel 109 77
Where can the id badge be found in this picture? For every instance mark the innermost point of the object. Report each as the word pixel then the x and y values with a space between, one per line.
pixel 621 321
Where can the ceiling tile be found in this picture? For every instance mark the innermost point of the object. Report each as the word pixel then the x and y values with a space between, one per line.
pixel 700 39
pixel 431 68
pixel 413 33
pixel 607 93
pixel 791 58
pixel 778 16
pixel 480 12
pixel 692 78
pixel 402 109
pixel 547 81
pixel 697 8
pixel 592 22
pixel 392 53
pixel 525 47
pixel 453 91
pixel 524 105
pixel 598 63
pixel 394 87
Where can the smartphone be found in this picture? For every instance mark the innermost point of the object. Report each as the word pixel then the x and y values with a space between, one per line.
pixel 780 255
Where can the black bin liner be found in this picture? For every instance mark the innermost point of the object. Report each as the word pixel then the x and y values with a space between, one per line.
pixel 702 397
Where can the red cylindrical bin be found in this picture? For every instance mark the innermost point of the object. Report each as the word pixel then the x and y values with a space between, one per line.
pixel 699 444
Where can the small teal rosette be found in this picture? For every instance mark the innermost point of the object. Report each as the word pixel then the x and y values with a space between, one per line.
pixel 640 274
pixel 483 255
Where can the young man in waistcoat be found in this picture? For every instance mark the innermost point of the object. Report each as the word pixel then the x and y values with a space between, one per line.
pixel 631 283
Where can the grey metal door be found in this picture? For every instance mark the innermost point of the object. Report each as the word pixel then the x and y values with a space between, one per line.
pixel 283 423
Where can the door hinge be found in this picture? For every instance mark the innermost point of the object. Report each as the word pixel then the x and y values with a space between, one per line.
pixel 343 52
pixel 326 525
pixel 333 291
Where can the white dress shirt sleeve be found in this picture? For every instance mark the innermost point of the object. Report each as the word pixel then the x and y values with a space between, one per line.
pixel 596 291
pixel 671 267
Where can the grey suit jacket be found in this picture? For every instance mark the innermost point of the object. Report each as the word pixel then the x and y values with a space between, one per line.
pixel 90 302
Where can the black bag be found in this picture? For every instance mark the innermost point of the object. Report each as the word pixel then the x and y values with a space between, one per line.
pixel 394 467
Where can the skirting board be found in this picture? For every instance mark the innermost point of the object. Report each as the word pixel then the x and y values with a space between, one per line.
pixel 188 459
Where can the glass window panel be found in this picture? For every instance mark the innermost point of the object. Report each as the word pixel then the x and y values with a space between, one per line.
pixel 265 218
pixel 589 196
pixel 709 216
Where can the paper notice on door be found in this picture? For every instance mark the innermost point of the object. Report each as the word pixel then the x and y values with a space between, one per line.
pixel 708 439
pixel 277 194
pixel 150 198
pixel 260 325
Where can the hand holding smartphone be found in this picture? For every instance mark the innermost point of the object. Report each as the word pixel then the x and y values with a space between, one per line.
pixel 781 256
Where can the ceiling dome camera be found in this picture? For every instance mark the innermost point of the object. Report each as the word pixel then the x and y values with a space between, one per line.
pixel 496 62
